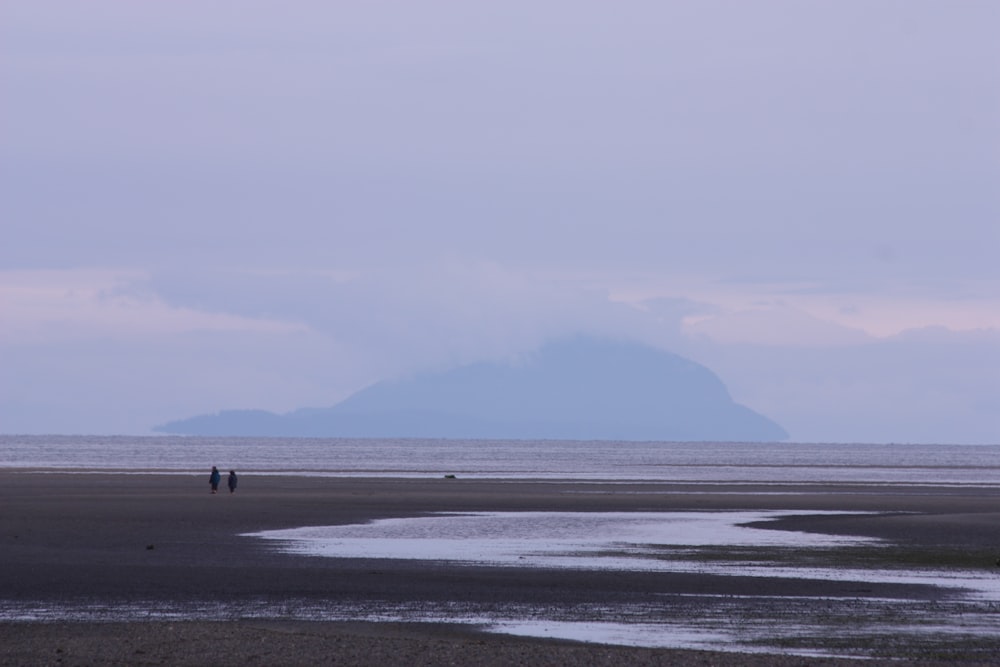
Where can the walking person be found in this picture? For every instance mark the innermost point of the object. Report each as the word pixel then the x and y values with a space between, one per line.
pixel 214 479
pixel 232 481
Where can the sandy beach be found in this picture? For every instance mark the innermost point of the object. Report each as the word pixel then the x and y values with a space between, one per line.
pixel 129 541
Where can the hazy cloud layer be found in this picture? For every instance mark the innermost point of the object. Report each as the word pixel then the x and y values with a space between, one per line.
pixel 246 205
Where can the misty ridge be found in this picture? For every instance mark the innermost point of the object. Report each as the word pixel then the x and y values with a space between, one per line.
pixel 578 388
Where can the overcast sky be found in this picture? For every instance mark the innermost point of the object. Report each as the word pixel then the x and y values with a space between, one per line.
pixel 253 204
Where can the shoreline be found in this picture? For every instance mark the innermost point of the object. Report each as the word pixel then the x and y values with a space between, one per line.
pixel 120 539
pixel 280 643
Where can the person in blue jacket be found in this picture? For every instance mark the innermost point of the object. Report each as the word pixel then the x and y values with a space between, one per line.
pixel 232 481
pixel 214 479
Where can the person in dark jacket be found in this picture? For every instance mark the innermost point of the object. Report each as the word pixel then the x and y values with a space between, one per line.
pixel 232 481
pixel 214 479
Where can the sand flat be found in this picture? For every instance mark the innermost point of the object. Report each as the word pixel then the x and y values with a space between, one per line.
pixel 142 543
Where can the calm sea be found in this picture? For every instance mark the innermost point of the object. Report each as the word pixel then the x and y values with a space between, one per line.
pixel 960 465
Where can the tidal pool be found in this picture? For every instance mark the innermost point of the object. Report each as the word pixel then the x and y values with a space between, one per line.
pixel 667 542
pixel 586 540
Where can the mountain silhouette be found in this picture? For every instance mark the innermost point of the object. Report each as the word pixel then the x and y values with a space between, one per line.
pixel 578 388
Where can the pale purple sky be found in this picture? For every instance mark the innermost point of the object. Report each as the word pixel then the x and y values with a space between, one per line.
pixel 209 205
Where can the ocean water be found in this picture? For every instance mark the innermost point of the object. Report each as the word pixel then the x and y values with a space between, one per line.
pixel 701 462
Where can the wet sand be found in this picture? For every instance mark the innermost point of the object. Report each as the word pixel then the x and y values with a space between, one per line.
pixel 71 540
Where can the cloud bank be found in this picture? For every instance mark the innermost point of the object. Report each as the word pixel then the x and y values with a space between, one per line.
pixel 208 207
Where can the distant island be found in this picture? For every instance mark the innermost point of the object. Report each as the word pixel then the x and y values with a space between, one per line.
pixel 578 388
